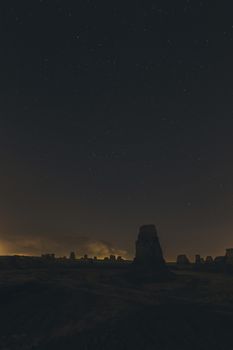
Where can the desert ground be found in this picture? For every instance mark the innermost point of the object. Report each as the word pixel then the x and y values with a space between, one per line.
pixel 106 309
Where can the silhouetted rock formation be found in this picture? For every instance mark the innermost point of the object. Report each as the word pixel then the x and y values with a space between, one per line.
pixel 229 256
pixel 199 261
pixel 182 260
pixel 148 249
pixel 149 264
pixel 120 259
pixel 220 260
pixel 48 256
pixel 209 260
pixel 72 256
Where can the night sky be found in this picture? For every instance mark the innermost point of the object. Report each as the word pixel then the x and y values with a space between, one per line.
pixel 115 114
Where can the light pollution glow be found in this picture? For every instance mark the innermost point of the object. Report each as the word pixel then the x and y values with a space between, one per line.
pixel 36 247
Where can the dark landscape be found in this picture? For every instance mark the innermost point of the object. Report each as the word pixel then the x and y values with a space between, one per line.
pixel 144 304
pixel 98 309
pixel 116 175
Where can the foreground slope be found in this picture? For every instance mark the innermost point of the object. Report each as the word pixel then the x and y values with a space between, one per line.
pixel 105 309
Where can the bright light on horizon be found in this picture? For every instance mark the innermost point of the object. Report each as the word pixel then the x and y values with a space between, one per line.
pixel 2 250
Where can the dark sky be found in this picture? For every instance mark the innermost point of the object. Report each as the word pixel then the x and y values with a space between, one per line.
pixel 115 114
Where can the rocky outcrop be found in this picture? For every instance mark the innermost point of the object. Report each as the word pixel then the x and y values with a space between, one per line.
pixel 209 260
pixel 182 260
pixel 148 250
pixel 229 256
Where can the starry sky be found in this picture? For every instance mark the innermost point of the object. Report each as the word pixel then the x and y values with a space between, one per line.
pixel 115 114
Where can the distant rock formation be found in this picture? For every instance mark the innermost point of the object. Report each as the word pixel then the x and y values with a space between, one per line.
pixel 229 256
pixel 198 259
pixel 182 260
pixel 72 256
pixel 220 260
pixel 48 256
pixel 209 260
pixel 148 249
